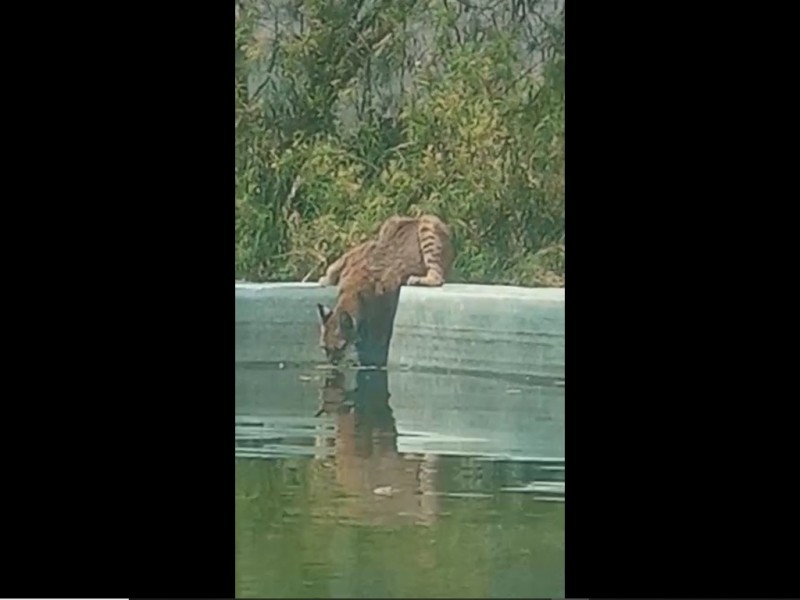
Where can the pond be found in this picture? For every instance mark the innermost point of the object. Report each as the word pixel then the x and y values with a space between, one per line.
pixel 399 483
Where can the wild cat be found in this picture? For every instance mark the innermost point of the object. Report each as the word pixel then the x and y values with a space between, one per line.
pixel 410 251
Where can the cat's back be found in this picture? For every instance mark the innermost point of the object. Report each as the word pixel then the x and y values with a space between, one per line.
pixel 397 253
pixel 412 247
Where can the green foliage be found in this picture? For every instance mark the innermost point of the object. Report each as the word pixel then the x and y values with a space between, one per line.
pixel 342 121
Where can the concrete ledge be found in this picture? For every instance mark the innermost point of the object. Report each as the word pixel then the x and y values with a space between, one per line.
pixel 461 327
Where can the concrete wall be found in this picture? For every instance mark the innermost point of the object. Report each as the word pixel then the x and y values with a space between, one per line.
pixel 467 328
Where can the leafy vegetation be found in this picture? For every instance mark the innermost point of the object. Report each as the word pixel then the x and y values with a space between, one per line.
pixel 349 111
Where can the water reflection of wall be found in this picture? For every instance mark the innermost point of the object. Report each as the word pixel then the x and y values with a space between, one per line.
pixel 382 486
pixel 486 415
pixel 443 413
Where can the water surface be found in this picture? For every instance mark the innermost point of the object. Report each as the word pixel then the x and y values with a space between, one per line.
pixel 397 484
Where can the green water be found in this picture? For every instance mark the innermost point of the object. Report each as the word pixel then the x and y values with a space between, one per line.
pixel 405 485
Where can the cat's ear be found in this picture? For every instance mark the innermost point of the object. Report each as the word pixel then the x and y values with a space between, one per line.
pixel 324 313
pixel 347 325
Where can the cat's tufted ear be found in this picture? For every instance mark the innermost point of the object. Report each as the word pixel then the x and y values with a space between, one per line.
pixel 324 313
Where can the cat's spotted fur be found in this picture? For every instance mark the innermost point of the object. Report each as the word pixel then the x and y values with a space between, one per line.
pixel 422 247
pixel 410 251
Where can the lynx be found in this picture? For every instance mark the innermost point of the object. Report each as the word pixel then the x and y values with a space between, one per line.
pixel 406 251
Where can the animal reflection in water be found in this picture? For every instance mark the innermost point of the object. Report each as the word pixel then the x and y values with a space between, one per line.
pixel 382 485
